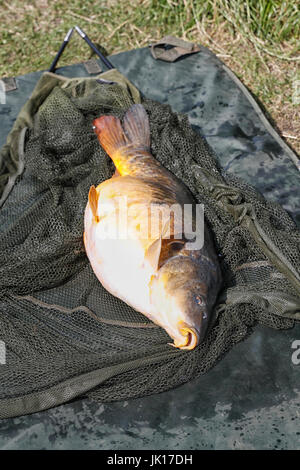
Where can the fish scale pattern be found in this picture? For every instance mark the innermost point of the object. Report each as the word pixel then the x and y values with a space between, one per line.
pixel 58 322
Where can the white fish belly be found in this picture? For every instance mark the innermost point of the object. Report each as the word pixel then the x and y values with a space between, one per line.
pixel 118 263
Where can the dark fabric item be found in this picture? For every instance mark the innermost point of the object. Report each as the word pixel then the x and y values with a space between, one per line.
pixel 73 334
pixel 9 84
pixel 171 48
pixel 250 399
pixel 92 67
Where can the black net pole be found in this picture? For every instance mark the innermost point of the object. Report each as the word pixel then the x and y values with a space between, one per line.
pixel 84 36
pixel 61 49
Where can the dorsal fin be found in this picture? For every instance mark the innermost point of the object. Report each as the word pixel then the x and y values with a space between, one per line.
pixel 93 201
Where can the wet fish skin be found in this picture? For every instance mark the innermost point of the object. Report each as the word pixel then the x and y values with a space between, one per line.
pixel 173 286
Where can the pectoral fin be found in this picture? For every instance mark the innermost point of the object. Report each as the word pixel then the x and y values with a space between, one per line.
pixel 93 201
pixel 153 253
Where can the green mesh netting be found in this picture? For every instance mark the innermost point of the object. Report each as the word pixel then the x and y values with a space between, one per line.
pixel 65 335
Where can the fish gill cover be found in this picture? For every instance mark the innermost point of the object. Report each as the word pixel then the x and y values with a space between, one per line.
pixel 65 335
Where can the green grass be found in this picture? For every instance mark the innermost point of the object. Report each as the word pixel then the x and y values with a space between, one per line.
pixel 257 39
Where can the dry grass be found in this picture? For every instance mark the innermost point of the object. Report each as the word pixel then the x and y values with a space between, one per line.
pixel 258 43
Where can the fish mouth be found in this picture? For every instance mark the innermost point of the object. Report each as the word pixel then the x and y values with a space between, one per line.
pixel 189 338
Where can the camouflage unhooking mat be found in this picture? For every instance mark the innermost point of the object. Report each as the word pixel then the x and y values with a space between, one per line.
pixel 64 337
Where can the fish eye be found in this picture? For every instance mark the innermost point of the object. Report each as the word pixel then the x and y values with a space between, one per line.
pixel 176 246
pixel 198 299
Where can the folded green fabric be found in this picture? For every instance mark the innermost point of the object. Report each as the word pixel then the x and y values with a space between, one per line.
pixel 65 334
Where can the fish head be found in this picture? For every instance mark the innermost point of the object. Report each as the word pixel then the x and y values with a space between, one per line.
pixel 182 306
pixel 192 308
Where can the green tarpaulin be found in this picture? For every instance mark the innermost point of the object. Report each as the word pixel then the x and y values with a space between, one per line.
pixel 244 397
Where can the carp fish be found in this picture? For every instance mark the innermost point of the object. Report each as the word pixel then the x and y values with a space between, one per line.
pixel 153 270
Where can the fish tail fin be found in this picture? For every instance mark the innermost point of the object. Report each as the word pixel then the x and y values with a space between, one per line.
pixel 110 134
pixel 135 135
pixel 136 126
